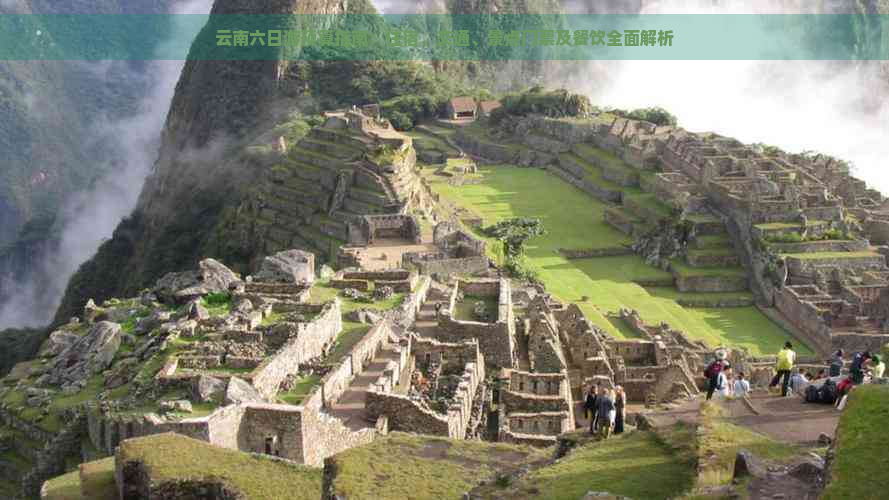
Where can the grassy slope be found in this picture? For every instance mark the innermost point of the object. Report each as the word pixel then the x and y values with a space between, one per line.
pixel 637 465
pixel 574 220
pixel 862 441
pixel 720 441
pixel 170 457
pixel 403 466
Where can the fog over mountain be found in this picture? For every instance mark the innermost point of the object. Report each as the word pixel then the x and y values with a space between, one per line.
pixel 89 217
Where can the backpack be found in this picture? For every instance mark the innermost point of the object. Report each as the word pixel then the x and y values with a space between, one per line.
pixel 812 395
pixel 713 369
pixel 828 392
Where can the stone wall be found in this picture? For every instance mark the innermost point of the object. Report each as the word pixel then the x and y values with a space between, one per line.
pixel 405 313
pixel 806 317
pixel 708 284
pixel 496 340
pixel 807 267
pixel 545 423
pixel 540 440
pixel 405 414
pixel 281 425
pixel 310 340
pixel 567 171
pixel 436 264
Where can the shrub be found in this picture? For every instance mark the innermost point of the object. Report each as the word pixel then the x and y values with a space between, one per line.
pixel 657 115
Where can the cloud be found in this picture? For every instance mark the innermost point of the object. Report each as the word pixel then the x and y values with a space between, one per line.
pixel 90 217
pixel 834 107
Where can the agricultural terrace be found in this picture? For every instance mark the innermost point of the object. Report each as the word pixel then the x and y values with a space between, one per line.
pixel 574 220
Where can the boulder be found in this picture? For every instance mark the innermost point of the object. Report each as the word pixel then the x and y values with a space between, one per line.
pixel 208 389
pixel 88 356
pixel 196 311
pixel 211 276
pixel 289 266
pixel 152 321
pixel 92 312
pixel 57 342
pixel 747 465
pixel 180 405
pixel 240 391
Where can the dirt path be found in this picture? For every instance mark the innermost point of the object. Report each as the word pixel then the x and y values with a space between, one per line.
pixel 787 419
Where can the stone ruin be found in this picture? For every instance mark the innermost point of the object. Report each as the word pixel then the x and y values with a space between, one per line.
pixel 369 229
pixel 788 217
pixel 443 394
pixel 456 253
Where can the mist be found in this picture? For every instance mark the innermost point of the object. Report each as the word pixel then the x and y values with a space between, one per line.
pixel 90 217
pixel 835 107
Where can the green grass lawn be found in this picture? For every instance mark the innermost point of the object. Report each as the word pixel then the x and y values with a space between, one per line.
pixel 300 390
pixel 574 220
pixel 637 465
pixel 405 466
pixel 862 441
pixel 171 457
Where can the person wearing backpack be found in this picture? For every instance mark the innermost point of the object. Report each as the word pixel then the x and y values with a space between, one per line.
pixel 856 369
pixel 712 373
pixel 836 364
pixel 786 358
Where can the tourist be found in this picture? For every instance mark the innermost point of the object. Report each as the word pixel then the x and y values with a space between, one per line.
pixel 742 387
pixel 859 364
pixel 822 373
pixel 605 412
pixel 589 406
pixel 620 409
pixel 878 367
pixel 712 372
pixel 723 386
pixel 843 389
pixel 786 358
pixel 798 381
pixel 837 363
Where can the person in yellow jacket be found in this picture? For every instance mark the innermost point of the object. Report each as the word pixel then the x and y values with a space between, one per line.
pixel 786 359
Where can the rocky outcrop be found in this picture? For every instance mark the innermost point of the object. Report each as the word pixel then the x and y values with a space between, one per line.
pixel 289 266
pixel 239 391
pixel 88 356
pixel 211 276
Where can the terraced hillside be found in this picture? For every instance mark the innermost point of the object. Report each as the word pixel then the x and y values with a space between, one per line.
pixel 574 220
pixel 329 177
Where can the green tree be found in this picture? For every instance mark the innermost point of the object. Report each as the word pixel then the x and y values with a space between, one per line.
pixel 515 232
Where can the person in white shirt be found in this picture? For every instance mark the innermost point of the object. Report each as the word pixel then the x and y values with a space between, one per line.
pixel 723 387
pixel 742 387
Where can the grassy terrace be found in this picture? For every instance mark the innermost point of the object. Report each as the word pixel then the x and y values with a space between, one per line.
pixel 593 173
pixel 637 465
pixel 402 466
pixel 423 140
pixel 830 255
pixel 300 390
pixel 862 442
pixel 170 457
pixel 574 220
pixel 787 225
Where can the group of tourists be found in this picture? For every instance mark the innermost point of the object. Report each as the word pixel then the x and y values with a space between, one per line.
pixel 828 386
pixel 605 409
pixel 722 381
